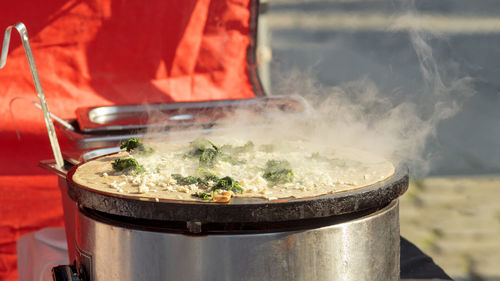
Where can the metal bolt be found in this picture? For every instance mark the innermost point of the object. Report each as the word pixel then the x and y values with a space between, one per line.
pixel 194 226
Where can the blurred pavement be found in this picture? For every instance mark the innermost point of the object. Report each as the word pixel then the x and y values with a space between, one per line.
pixel 455 219
pixel 347 40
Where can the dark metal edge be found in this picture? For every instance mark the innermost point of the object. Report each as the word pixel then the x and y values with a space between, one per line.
pixel 253 73
pixel 241 210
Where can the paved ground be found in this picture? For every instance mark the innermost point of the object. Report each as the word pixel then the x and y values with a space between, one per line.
pixel 456 220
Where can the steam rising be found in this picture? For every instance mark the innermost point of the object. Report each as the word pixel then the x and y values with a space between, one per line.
pixel 356 114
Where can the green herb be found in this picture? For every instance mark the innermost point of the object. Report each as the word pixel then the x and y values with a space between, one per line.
pixel 278 171
pixel 228 183
pixel 135 145
pixel 204 181
pixel 185 180
pixel 128 164
pixel 206 150
pixel 208 157
pixel 211 177
pixel 209 153
pixel 203 195
pixel 199 145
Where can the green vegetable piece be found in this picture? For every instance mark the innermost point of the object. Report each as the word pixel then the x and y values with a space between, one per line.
pixel 196 180
pixel 278 171
pixel 185 180
pixel 135 145
pixel 199 145
pixel 128 164
pixel 211 177
pixel 206 150
pixel 228 183
pixel 203 195
pixel 208 157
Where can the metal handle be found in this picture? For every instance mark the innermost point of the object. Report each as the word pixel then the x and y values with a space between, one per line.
pixel 21 28
pixel 65 273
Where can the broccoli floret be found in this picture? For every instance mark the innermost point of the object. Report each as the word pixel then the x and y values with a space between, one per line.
pixel 203 195
pixel 185 180
pixel 199 145
pixel 278 171
pixel 206 150
pixel 128 164
pixel 208 157
pixel 228 183
pixel 195 180
pixel 135 145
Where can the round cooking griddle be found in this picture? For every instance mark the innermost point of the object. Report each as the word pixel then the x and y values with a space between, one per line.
pixel 241 210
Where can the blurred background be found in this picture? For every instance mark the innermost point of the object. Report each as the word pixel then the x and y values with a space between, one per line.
pixel 411 50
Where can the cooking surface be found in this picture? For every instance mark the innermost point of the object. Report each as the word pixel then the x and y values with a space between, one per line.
pixel 310 172
pixel 242 209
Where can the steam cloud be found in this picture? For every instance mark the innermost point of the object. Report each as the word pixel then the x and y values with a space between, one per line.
pixel 356 114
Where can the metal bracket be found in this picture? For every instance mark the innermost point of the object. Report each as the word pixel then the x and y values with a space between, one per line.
pixel 23 32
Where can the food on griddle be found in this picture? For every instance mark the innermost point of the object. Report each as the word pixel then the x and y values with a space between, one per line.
pixel 204 150
pixel 278 171
pixel 216 170
pixel 204 195
pixel 135 145
pixel 228 184
pixel 187 180
pixel 127 165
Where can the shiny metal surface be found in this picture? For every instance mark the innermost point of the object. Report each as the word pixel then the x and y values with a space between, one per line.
pixel 23 32
pixel 185 114
pixel 56 118
pixel 363 249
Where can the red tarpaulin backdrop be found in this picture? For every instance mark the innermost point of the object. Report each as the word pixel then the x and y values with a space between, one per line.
pixel 102 52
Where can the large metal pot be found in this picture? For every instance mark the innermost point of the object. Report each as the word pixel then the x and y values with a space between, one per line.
pixel 346 236
pixel 365 248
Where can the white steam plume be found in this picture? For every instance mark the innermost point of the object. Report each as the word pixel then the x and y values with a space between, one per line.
pixel 356 114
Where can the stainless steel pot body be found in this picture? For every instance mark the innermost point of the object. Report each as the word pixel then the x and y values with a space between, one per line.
pixel 366 248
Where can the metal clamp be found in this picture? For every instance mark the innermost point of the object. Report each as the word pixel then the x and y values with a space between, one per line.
pixel 21 28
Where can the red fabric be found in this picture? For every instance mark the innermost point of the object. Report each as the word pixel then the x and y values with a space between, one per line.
pixel 102 52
